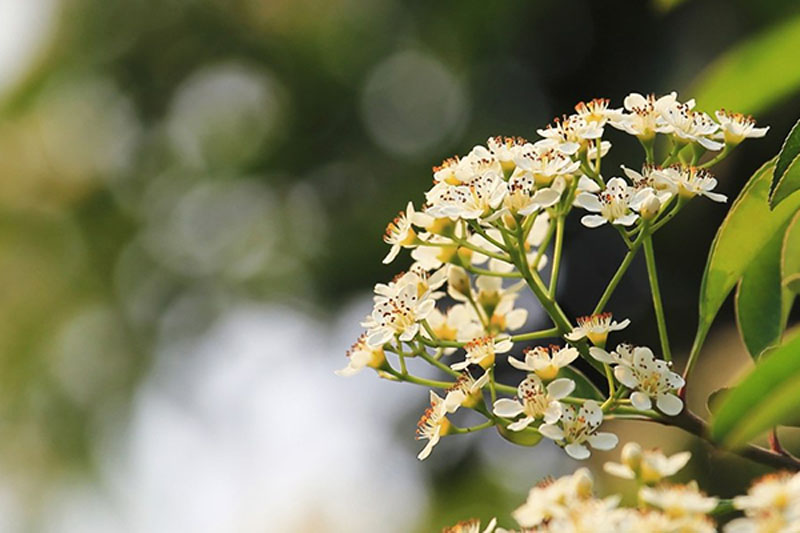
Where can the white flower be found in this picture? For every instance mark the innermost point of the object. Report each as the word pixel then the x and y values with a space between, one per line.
pixel 737 127
pixel 452 325
pixel 691 126
pixel 554 498
pixel 400 233
pixel 535 401
pixel 772 495
pixel 362 355
pixel 505 149
pixel 397 313
pixel 678 501
pixel 612 204
pixel 523 198
pixel 482 351
pixel 597 111
pixel 579 428
pixel 474 200
pixel 471 526
pixel 650 379
pixel 647 180
pixel 644 119
pixel 433 425
pixel 545 362
pixel 649 466
pixel 545 164
pixel 689 182
pixel 466 392
pixel 596 328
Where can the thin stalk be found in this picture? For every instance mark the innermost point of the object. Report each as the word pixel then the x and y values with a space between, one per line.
pixel 534 335
pixel 471 429
pixel 623 267
pixel 556 256
pixel 650 259
pixel 418 380
pixel 486 272
pixel 722 155
pixel 480 231
pixel 438 364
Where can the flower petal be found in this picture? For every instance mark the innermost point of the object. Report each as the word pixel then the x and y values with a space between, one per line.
pixel 603 441
pixel 577 451
pixel 669 404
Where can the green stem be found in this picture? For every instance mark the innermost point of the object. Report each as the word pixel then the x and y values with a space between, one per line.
pixel 650 259
pixel 480 231
pixel 417 380
pixel 471 429
pixel 486 272
pixel 438 364
pixel 720 156
pixel 534 335
pixel 623 267
pixel 556 256
pixel 551 228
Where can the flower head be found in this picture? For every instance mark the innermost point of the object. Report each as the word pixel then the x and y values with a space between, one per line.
pixel 466 392
pixel 555 498
pixel 535 402
pixel 505 149
pixel 400 232
pixel 578 428
pixel 432 425
pixel 397 312
pixel 678 501
pixel 482 351
pixel 644 119
pixel 687 125
pixel 362 355
pixel 648 466
pixel 651 379
pixel 545 164
pixel 596 328
pixel 689 182
pixel 771 504
pixel 471 526
pixel 613 205
pixel 545 362
pixel 737 127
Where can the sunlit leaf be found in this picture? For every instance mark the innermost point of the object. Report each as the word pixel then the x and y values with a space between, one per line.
pixel 788 154
pixel 766 398
pixel 745 232
pixel 762 303
pixel 790 256
pixel 755 74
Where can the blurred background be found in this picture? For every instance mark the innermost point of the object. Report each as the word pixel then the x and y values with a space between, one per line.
pixel 192 200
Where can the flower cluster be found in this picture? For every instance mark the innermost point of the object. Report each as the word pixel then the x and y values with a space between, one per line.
pixel 492 225
pixel 568 504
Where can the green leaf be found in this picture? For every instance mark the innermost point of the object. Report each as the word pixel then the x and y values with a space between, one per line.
pixel 789 152
pixel 788 183
pixel 744 233
pixel 762 303
pixel 584 388
pixel 766 398
pixel 790 256
pixel 715 399
pixel 756 73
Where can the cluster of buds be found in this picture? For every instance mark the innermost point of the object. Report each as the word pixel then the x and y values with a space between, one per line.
pixel 568 504
pixel 490 226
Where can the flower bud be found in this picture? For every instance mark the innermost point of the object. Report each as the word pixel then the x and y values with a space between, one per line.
pixel 632 456
pixel 458 281
pixel 526 437
pixel 650 207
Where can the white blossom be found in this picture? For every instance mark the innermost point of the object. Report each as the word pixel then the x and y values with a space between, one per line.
pixel 466 392
pixel 648 466
pixel 644 117
pixel 613 205
pixel 361 355
pixel 433 425
pixel 400 232
pixel 545 362
pixel 651 379
pixel 397 312
pixel 688 182
pixel 471 526
pixel 482 351
pixel 576 429
pixel 596 328
pixel 688 125
pixel 536 401
pixel 554 498
pixel 678 501
pixel 736 127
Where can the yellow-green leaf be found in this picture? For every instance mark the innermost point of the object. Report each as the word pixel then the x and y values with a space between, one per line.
pixel 756 73
pixel 762 303
pixel 767 397
pixel 745 232
pixel 790 256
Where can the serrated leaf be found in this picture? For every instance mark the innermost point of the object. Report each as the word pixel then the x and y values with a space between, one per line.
pixel 788 183
pixel 584 388
pixel 754 74
pixel 744 233
pixel 767 397
pixel 762 302
pixel 789 151
pixel 790 256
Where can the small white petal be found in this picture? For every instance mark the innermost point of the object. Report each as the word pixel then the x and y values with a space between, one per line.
pixel 603 441
pixel 507 408
pixel 551 431
pixel 577 451
pixel 521 424
pixel 560 388
pixel 669 404
pixel 641 401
